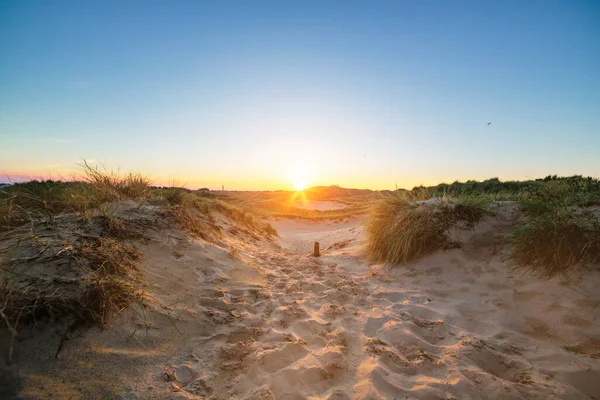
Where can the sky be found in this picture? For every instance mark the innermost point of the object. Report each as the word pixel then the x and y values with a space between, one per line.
pixel 271 94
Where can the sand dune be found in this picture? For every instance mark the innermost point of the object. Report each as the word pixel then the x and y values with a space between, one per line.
pixel 254 319
pixel 320 205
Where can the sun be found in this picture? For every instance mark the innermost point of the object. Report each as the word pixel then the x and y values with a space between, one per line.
pixel 300 177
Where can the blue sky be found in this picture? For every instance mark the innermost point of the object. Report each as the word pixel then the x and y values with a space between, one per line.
pixel 261 94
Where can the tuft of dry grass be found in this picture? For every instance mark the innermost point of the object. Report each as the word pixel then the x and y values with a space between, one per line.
pixel 400 229
pixel 194 221
pixel 95 300
pixel 110 185
pixel 107 296
pixel 41 200
pixel 193 211
pixel 108 256
pixel 177 196
pixel 245 217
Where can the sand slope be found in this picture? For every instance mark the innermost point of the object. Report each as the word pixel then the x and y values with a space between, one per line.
pixel 269 321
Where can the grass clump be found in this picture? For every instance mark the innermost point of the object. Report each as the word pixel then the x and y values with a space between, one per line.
pixel 191 210
pixel 401 230
pixel 112 186
pixel 245 217
pixel 558 194
pixel 106 296
pixel 177 196
pixel 558 230
pixel 556 240
pixel 95 300
pixel 109 256
pixel 23 203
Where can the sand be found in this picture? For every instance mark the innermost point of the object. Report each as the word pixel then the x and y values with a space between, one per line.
pixel 320 205
pixel 247 319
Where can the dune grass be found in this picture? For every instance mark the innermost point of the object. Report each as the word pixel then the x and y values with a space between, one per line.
pixel 401 229
pixel 580 187
pixel 193 211
pixel 23 202
pixel 110 185
pixel 70 268
pixel 556 240
pixel 558 194
pixel 559 229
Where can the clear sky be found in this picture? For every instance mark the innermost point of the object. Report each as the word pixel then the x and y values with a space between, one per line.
pixel 261 94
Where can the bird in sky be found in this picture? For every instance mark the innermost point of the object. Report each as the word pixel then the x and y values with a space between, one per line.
pixel 489 123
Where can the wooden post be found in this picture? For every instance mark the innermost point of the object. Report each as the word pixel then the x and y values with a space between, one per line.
pixel 317 253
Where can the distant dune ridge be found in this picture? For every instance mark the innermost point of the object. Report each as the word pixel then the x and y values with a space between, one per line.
pixel 439 292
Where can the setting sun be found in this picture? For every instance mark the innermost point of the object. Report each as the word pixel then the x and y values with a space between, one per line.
pixel 301 176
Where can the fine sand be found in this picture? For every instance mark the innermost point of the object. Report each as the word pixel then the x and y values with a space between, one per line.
pixel 320 205
pixel 247 319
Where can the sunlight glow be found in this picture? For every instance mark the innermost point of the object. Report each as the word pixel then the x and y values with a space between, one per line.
pixel 301 175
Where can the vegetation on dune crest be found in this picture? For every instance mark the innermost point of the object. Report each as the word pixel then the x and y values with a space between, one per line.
pixel 401 229
pixel 22 202
pixel 556 240
pixel 560 193
pixel 72 272
pixel 67 249
pixel 511 190
pixel 559 230
pixel 112 186
pixel 193 211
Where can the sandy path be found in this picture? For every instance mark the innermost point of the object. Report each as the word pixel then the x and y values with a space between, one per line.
pixel 258 320
pixel 458 324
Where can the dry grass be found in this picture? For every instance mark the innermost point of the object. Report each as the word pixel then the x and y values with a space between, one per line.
pixel 60 266
pixel 67 254
pixel 110 185
pixel 245 217
pixel 33 201
pixel 194 212
pixel 194 221
pixel 401 230
pixel 46 274
pixel 108 257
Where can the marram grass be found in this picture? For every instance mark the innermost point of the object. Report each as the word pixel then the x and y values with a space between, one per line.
pixel 400 230
pixel 555 240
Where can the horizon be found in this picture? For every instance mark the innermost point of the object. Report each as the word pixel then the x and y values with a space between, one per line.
pixel 81 177
pixel 274 96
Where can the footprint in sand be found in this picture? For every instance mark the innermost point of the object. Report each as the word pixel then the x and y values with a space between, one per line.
pixel 274 360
